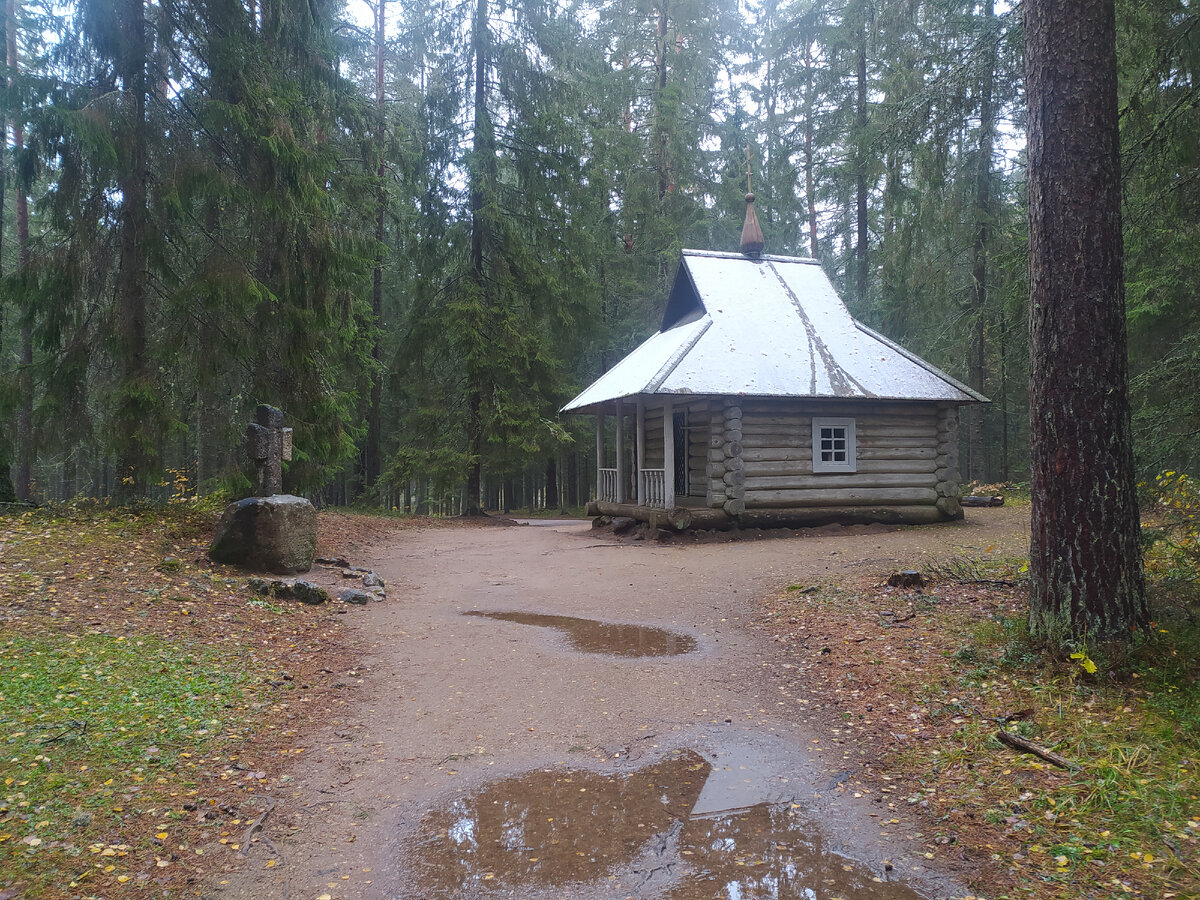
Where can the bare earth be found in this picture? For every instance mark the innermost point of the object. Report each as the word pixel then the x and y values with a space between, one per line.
pixel 444 705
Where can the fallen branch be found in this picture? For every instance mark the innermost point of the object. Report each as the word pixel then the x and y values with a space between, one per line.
pixel 1019 744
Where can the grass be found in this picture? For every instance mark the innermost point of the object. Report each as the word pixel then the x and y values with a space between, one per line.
pixel 1126 823
pixel 99 732
pixel 146 699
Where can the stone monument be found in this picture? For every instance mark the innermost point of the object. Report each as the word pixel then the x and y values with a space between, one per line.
pixel 270 531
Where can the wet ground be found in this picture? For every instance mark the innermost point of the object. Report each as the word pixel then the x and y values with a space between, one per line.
pixel 722 822
pixel 487 753
pixel 590 636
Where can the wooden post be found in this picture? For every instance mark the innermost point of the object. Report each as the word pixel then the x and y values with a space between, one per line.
pixel 641 450
pixel 668 426
pixel 621 497
pixel 599 454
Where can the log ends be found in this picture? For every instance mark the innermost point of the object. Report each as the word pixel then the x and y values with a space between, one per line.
pixel 734 515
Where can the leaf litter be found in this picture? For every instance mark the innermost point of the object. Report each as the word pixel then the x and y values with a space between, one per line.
pixel 149 708
pixel 911 686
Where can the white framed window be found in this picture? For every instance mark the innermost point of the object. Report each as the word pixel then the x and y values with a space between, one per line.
pixel 833 445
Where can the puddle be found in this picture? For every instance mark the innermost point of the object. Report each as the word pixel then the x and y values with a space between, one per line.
pixel 653 832
pixel 590 636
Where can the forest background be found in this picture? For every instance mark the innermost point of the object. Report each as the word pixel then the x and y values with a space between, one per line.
pixel 422 229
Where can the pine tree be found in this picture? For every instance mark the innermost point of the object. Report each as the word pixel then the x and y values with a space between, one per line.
pixel 1085 555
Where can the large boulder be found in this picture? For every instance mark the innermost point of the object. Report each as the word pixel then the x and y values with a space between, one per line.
pixel 268 534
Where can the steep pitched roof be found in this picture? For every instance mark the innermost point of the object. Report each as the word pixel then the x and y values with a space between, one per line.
pixel 767 327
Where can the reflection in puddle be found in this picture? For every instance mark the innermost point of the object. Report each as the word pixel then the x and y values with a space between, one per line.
pixel 590 636
pixel 593 834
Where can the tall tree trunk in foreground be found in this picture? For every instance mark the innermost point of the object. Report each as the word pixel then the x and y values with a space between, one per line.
pixel 1085 557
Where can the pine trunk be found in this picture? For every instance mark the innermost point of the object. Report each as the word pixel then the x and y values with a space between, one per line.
pixel 7 493
pixel 662 161
pixel 482 167
pixel 132 417
pixel 979 254
pixel 809 164
pixel 1085 558
pixel 372 454
pixel 24 480
pixel 860 166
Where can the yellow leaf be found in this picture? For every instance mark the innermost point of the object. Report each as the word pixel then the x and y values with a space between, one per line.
pixel 1085 663
pixel 162 835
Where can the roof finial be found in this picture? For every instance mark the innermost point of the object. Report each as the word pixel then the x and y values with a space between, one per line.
pixel 752 236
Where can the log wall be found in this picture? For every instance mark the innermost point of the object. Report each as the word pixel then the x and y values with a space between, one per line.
pixel 753 454
pixel 760 456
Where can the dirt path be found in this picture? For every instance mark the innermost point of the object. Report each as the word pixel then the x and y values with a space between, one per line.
pixel 445 704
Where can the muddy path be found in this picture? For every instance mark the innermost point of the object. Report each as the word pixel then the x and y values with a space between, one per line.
pixel 506 756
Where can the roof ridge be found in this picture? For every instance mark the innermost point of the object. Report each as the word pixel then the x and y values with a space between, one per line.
pixel 766 257
pixel 677 357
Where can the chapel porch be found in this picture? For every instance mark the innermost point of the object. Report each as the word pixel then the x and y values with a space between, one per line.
pixel 653 454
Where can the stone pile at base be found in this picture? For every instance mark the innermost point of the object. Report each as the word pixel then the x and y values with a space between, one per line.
pixel 271 532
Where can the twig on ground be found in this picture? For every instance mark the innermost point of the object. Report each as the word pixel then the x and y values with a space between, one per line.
pixel 1019 743
pixel 256 826
pixel 73 727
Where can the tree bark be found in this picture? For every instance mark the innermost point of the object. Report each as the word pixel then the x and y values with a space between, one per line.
pixel 860 164
pixel 483 163
pixel 662 162
pixel 132 424
pixel 1085 558
pixel 977 470
pixel 24 480
pixel 809 164
pixel 372 454
pixel 551 483
pixel 7 492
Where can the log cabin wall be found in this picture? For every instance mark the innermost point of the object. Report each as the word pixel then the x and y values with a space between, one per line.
pixel 654 439
pixel 727 484
pixel 698 419
pixel 906 456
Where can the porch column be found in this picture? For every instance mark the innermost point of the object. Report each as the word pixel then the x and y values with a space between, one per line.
pixel 669 454
pixel 641 450
pixel 599 453
pixel 620 453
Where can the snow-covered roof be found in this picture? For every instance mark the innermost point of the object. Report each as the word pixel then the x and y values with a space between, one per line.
pixel 766 327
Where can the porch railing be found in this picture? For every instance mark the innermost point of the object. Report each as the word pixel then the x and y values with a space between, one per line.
pixel 606 490
pixel 653 484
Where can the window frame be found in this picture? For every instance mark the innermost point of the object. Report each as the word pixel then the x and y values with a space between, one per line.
pixel 824 467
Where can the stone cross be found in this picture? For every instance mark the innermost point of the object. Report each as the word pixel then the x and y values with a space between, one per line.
pixel 268 443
